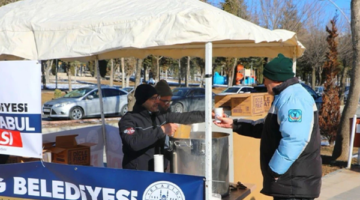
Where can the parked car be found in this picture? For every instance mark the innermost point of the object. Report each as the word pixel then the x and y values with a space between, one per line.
pixel 317 98
pixel 187 99
pixel 84 102
pixel 150 81
pixel 236 90
pixel 319 90
pixel 128 89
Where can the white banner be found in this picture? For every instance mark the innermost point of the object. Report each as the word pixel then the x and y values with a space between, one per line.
pixel 20 108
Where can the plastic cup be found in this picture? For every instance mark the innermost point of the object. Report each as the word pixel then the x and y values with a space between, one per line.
pixel 218 113
pixel 159 163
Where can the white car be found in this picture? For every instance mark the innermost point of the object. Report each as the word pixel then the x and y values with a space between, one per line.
pixel 84 102
pixel 237 90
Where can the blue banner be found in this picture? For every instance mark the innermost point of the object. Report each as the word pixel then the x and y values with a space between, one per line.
pixel 37 180
pixel 25 123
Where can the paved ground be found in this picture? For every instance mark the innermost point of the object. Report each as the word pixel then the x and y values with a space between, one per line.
pixel 343 184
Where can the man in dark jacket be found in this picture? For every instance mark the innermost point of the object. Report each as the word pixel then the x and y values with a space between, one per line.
pixel 290 138
pixel 144 129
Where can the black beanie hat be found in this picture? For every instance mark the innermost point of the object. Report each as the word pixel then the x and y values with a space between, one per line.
pixel 163 89
pixel 143 93
pixel 279 69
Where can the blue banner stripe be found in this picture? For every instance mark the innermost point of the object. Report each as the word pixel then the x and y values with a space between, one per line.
pixel 25 123
pixel 58 181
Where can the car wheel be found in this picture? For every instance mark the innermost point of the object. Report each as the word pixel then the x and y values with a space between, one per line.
pixel 124 110
pixel 178 108
pixel 76 113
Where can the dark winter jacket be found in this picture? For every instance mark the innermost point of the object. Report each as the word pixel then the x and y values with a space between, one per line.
pixel 142 136
pixel 290 143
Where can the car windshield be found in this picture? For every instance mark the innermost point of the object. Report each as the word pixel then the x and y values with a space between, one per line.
pixel 232 90
pixel 179 92
pixel 128 89
pixel 77 93
pixel 260 89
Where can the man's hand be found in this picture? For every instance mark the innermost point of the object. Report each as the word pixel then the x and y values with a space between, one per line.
pixel 224 122
pixel 169 129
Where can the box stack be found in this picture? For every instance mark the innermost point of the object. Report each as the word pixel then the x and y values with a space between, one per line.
pixel 246 105
pixel 65 150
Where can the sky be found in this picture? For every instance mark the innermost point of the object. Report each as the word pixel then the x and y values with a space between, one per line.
pixel 330 7
pixel 344 5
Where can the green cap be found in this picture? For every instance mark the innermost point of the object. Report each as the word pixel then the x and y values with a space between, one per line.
pixel 279 69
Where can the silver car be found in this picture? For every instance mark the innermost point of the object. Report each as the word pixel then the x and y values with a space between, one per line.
pixel 84 102
pixel 236 90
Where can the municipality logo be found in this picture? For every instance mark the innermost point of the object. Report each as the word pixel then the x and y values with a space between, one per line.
pixel 295 115
pixel 163 190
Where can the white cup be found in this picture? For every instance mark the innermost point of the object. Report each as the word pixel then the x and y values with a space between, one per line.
pixel 218 113
pixel 159 163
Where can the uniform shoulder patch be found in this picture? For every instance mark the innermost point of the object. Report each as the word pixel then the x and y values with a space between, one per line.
pixel 295 115
pixel 129 131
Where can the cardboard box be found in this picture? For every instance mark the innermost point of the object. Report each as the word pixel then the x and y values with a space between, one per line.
pixel 268 99
pixel 67 151
pixel 47 154
pixel 248 104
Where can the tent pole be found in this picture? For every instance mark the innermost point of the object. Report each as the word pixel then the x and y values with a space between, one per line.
pixel 208 120
pixel 101 103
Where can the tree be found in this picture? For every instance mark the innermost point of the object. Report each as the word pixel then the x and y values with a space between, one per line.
pixel 330 110
pixel 123 73
pixel 130 64
pixel 4 2
pixel 46 67
pixel 187 76
pixel 345 57
pixel 68 70
pixel 131 97
pixel 157 72
pixel 103 67
pixel 179 75
pixel 314 54
pixel 112 72
pixel 286 14
pixel 238 8
pixel 230 64
pixel 200 64
pixel 341 148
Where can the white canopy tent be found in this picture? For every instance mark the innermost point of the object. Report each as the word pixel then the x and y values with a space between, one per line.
pixel 95 30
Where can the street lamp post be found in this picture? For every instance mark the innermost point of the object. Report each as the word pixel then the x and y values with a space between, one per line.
pixel 342 12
